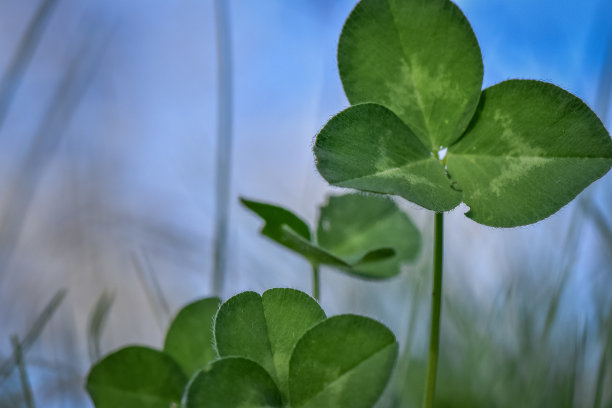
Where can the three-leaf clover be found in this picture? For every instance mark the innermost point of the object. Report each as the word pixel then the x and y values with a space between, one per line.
pixel 279 350
pixel 364 235
pixel 412 69
pixel 272 350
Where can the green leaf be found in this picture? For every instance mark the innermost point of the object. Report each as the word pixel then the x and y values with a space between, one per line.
pixel 276 219
pixel 344 361
pixel 232 382
pixel 350 225
pixel 369 148
pixel 290 231
pixel 136 377
pixel 419 58
pixel 531 148
pixel 265 328
pixel 282 226
pixel 189 339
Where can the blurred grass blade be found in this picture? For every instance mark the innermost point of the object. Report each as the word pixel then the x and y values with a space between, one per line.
pixel 599 220
pixel 604 94
pixel 554 303
pixel 14 74
pixel 576 363
pixel 601 374
pixel 46 141
pixel 42 319
pixel 157 289
pixel 224 143
pixel 155 296
pixel 6 367
pixel 404 369
pixel 96 324
pixel 601 368
pixel 23 374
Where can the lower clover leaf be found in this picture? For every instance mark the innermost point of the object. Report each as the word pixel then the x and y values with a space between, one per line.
pixel 136 377
pixel 265 328
pixel 345 361
pixel 232 382
pixel 189 339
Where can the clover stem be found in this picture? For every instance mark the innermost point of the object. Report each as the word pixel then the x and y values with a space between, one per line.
pixel 436 303
pixel 316 281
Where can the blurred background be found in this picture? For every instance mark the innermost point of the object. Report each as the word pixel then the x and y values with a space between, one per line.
pixel 109 183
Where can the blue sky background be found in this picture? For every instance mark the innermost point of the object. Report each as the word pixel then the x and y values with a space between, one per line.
pixel 132 174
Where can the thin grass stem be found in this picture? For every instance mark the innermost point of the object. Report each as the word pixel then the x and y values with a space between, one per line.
pixel 96 324
pixel 23 55
pixel 23 374
pixel 7 366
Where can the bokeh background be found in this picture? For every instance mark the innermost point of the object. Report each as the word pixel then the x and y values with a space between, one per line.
pixel 108 169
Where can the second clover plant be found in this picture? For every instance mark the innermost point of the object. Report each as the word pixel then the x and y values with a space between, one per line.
pixel 278 349
pixel 421 127
pixel 366 236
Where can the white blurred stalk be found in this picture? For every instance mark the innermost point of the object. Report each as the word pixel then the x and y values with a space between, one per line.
pixel 224 143
pixel 23 55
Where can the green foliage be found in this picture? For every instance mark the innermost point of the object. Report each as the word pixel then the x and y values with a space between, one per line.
pixel 365 236
pixel 189 340
pixel 517 152
pixel 531 149
pixel 273 350
pixel 352 224
pixel 233 382
pixel 265 328
pixel 342 361
pixel 136 377
pixel 367 147
pixel 418 58
pixel 345 361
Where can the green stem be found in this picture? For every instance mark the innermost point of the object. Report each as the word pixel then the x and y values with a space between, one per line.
pixel 436 303
pixel 316 281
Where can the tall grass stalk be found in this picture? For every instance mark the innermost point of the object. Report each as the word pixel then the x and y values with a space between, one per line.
pixel 604 90
pixel 25 49
pixel 224 144
pixel 46 141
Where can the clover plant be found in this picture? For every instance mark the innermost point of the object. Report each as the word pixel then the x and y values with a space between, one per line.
pixel 366 236
pixel 421 127
pixel 138 376
pixel 272 350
